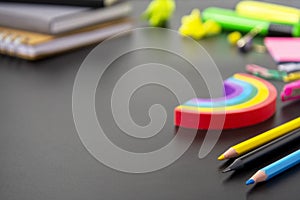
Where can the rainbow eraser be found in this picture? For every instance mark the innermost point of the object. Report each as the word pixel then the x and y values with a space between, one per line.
pixel 248 100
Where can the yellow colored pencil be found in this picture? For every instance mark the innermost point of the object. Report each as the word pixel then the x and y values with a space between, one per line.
pixel 260 140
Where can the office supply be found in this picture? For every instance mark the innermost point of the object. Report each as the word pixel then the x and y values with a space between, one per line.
pixel 291 91
pixel 54 19
pixel 289 67
pixel 268 12
pixel 30 45
pixel 87 3
pixel 291 77
pixel 192 26
pixel 247 100
pixel 260 140
pixel 159 12
pixel 265 150
pixel 234 37
pixel 275 168
pixel 245 44
pixel 283 49
pixel 231 21
pixel 211 28
pixel 265 73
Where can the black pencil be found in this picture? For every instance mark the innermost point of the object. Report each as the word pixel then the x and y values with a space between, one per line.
pixel 264 150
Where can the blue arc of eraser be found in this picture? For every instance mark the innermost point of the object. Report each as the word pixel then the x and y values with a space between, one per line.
pixel 248 92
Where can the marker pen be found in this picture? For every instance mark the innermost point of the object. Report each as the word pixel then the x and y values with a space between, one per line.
pixel 230 20
pixel 268 12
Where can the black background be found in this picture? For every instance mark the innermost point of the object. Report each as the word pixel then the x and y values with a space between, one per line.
pixel 41 156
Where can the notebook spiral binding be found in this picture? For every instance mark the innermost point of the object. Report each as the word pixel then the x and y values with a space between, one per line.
pixel 9 42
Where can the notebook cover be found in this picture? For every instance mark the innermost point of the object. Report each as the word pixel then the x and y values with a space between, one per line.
pixel 32 39
pixel 55 19
pixel 89 3
pixel 283 49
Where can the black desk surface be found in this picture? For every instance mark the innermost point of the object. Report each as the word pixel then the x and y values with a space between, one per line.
pixel 42 157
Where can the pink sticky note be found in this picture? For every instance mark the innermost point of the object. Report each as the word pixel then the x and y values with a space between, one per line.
pixel 283 49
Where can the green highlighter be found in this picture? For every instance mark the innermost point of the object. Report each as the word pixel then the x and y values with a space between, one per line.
pixel 231 21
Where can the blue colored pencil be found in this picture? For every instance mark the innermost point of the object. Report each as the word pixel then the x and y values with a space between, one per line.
pixel 275 168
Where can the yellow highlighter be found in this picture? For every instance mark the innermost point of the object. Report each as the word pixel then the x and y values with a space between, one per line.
pixel 269 12
pixel 292 77
pixel 260 140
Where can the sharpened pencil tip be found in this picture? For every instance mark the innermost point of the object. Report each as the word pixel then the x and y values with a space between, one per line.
pixel 250 181
pixel 221 157
pixel 226 170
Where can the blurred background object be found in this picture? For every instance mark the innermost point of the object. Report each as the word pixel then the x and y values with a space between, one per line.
pixel 32 31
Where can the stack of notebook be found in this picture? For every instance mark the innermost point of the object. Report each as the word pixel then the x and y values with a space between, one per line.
pixel 36 30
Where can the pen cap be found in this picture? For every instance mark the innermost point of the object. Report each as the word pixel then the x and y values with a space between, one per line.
pixel 284 30
pixel 296 30
pixel 286 92
pixel 268 12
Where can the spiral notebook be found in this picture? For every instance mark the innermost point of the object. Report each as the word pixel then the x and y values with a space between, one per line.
pixel 32 46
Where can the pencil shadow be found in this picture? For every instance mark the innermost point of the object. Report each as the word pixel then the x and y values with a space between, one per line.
pixel 225 164
pixel 238 175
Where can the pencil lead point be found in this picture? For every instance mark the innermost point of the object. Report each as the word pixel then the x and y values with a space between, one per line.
pixel 221 157
pixel 228 169
pixel 250 181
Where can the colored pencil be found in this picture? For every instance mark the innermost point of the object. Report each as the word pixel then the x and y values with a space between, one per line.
pixel 273 146
pixel 275 168
pixel 260 140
